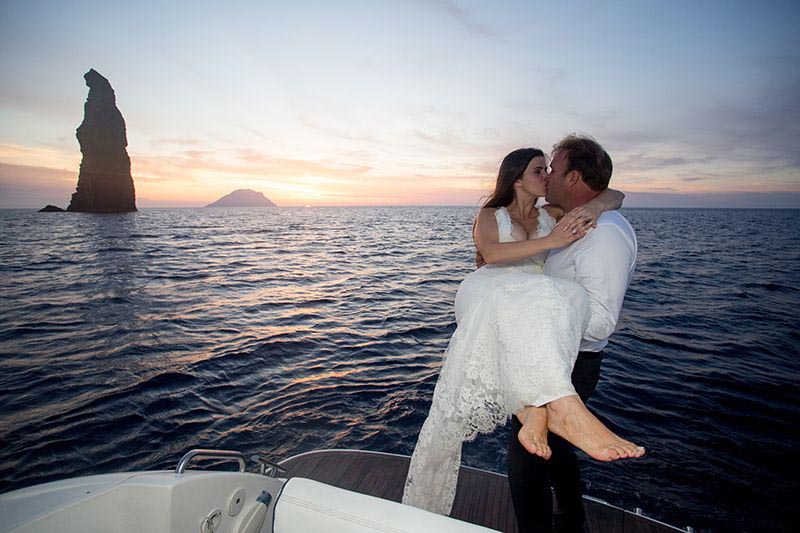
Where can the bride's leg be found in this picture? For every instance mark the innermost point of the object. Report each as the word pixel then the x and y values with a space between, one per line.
pixel 533 434
pixel 569 418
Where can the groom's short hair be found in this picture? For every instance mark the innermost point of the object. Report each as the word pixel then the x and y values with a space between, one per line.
pixel 585 155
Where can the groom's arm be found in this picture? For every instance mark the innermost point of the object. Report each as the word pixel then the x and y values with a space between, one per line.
pixel 603 265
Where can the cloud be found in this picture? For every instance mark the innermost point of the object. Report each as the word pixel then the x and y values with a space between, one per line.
pixel 191 164
pixel 255 132
pixel 733 199
pixel 725 136
pixel 24 186
pixel 758 128
pixel 418 189
pixel 39 101
pixel 641 162
pixel 464 19
pixel 38 156
pixel 444 138
pixel 338 133
pixel 179 141
pixel 263 163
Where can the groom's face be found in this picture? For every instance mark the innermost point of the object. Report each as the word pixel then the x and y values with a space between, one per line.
pixel 556 186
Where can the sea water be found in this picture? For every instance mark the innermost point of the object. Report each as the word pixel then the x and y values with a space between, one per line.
pixel 127 340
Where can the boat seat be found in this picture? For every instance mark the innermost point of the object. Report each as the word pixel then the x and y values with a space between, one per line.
pixel 305 505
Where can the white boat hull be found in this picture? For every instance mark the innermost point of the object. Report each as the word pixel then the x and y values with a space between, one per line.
pixel 203 501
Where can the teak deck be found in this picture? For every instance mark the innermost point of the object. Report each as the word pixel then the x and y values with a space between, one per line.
pixel 481 497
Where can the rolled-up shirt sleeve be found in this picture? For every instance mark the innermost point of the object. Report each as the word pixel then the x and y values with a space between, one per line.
pixel 604 262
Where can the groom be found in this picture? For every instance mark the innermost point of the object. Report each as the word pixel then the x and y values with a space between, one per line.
pixel 602 262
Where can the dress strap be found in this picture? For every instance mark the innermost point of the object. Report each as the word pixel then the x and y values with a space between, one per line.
pixel 504 225
pixel 546 222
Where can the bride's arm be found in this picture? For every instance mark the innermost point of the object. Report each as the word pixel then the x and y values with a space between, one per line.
pixel 493 251
pixel 608 200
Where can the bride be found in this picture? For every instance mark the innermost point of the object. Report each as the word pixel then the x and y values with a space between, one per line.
pixel 517 337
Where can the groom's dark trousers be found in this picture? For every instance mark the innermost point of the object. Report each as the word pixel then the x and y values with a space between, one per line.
pixel 530 476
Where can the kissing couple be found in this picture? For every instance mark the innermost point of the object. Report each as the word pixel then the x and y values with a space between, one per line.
pixel 532 323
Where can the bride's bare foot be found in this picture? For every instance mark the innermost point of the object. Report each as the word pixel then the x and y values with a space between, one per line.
pixel 569 418
pixel 533 433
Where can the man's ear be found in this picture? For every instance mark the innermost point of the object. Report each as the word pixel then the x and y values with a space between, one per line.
pixel 573 178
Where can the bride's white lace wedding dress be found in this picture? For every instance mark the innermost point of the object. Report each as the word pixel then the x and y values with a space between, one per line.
pixel 516 341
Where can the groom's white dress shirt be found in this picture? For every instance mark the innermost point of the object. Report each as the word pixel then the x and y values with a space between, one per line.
pixel 603 262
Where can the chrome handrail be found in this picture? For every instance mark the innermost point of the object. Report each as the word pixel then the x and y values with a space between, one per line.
pixel 210 454
pixel 267 467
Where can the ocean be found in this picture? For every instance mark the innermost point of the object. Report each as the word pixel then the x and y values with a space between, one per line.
pixel 126 340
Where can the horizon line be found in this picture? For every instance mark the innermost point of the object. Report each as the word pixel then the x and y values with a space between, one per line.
pixel 37 209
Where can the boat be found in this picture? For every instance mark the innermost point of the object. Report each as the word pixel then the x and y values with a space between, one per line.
pixel 349 491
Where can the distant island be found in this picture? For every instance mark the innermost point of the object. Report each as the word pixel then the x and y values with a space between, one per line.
pixel 50 208
pixel 243 198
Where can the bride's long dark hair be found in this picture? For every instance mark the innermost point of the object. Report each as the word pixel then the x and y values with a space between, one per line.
pixel 511 169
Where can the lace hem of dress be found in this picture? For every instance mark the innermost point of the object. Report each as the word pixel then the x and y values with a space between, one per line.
pixel 514 346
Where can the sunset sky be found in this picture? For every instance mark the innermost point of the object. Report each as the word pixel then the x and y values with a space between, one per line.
pixel 405 102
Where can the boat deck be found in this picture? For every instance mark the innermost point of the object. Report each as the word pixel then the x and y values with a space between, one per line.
pixel 482 497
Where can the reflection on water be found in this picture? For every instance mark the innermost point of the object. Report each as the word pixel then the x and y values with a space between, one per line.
pixel 126 340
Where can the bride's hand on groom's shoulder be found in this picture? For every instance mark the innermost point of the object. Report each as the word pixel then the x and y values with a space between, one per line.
pixel 569 229
pixel 586 213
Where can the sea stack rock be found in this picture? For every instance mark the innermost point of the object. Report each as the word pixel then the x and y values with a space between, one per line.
pixel 105 184
pixel 243 198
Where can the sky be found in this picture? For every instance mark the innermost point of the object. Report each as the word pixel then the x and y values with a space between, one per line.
pixel 405 102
